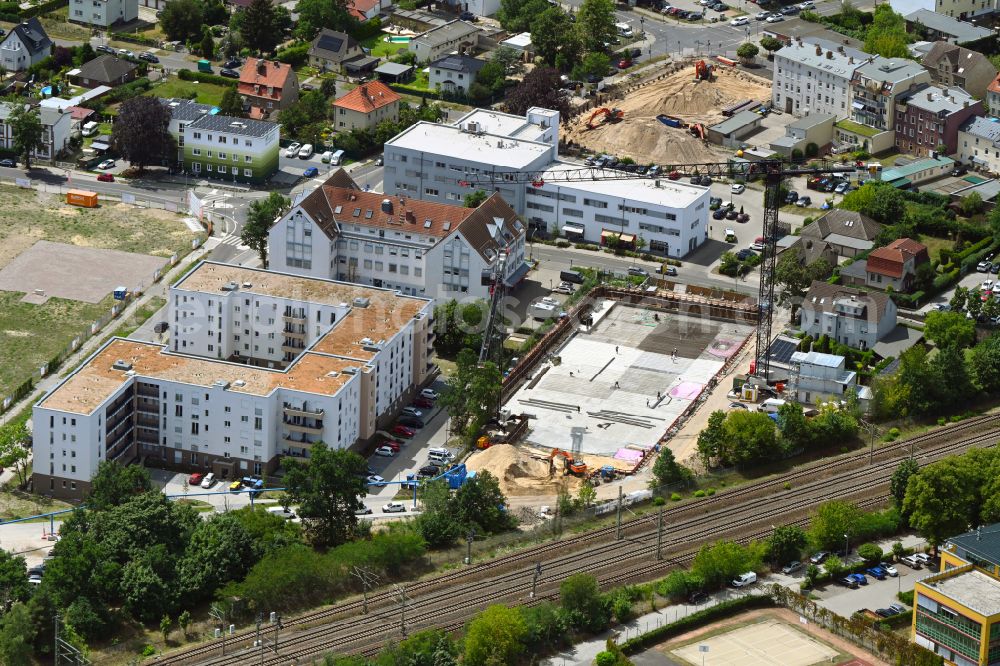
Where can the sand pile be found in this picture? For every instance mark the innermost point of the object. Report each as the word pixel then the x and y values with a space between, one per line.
pixel 642 137
pixel 519 473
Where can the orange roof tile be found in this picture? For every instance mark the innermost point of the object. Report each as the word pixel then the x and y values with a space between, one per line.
pixel 368 97
pixel 266 74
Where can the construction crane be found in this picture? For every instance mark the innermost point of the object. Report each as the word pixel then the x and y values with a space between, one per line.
pixel 772 171
pixel 607 116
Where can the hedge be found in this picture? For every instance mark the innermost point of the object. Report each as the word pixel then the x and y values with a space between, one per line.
pixel 945 280
pixel 719 611
pixel 294 55
pixel 413 90
pixel 972 249
pixel 43 8
pixel 142 40
pixel 202 77
pixel 124 92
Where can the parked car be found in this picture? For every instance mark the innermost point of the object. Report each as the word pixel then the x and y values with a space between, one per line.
pixel 640 272
pixel 385 451
pixel 7 162
pixel 719 213
pixel 819 557
pixel 791 567
pixel 806 5
pixel 842 188
pixel 860 577
pixel 624 63
pixel 876 572
pixel 106 164
pixel 235 485
pixel 394 507
pixel 411 422
pixel 911 561
pixel 896 607
pixel 229 73
pixel 714 203
pixel 743 580
pixel 984 266
pixel 429 394
pixel 959 170
pixel 375 480
pixel 697 598
pixel 232 63
pixel 363 511
pixel 402 431
pixel 429 470
pixel 738 21
pixel 311 172
pixel 791 10
pixel 791 197
pixel 738 188
pixel 670 270
pixel 105 178
pixel 104 48
pixel 706 181
pixel 848 582
pixel 745 254
pixel 148 57
pixel 208 481
pixel 563 288
pixel 412 411
pixel 925 559
pixel 306 151
pixel 775 18
pixel 763 16
pixel 293 149
pixel 392 444
pixel 737 405
pixel 803 202
pixel 195 479
pixel 423 402
pixel 380 160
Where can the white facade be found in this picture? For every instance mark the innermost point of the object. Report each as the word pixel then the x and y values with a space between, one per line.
pixel 189 409
pixel 499 152
pixel 103 13
pixel 979 144
pixel 25 45
pixel 56 127
pixel 814 76
pixel 817 377
pixel 854 318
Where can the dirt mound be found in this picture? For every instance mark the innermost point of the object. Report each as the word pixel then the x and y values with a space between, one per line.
pixel 520 473
pixel 644 138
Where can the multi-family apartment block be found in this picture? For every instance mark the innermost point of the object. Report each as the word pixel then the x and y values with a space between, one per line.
pixel 928 119
pixel 259 365
pixel 103 13
pixel 814 76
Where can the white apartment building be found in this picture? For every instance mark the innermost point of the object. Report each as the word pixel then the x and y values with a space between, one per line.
pixel 420 248
pixel 57 124
pixel 852 317
pixel 103 13
pixel 979 144
pixel 260 365
pixel 817 377
pixel 518 157
pixel 814 76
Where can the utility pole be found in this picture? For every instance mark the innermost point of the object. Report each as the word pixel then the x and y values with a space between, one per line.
pixel 618 532
pixel 368 579
pixel 401 596
pixel 659 535
pixel 469 538
pixel 872 431
pixel 534 579
pixel 220 616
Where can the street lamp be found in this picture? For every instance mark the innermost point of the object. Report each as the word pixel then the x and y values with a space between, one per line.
pixel 847 546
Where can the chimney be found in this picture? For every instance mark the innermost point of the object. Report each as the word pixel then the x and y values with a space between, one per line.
pixel 840 50
pixel 819 50
pixel 410 217
pixel 965 104
pixel 850 60
pixel 930 97
pixel 829 55
pixel 262 67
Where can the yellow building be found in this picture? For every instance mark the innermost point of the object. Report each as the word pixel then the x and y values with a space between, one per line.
pixel 956 611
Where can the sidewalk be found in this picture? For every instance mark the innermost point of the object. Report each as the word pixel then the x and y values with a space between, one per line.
pixel 94 342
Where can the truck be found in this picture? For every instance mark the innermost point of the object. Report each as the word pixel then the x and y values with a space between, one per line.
pixel 546 308
pixel 205 66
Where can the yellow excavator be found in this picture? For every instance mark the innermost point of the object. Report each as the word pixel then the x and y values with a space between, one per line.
pixel 570 466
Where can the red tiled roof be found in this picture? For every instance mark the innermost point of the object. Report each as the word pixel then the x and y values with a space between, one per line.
pixel 367 97
pixel 265 74
pixel 994 85
pixel 889 260
pixel 79 112
pixel 360 8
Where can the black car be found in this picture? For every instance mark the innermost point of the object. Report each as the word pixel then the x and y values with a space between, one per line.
pixel 706 180
pixel 411 422
pixel 744 254
pixel 230 73
pixel 696 180
pixel 468 16
pixel 695 16
pixel 233 63
pixel 720 7
pixel 697 598
pixel 148 57
pixel 719 213
pixel 683 14
pixel 9 163
pixel 429 470
pixel 307 87
pixel 792 197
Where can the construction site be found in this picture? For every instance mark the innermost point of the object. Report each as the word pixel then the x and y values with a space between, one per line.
pixel 631 127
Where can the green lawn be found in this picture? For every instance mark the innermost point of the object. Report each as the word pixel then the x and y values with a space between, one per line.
pixel 935 244
pixel 381 48
pixel 857 128
pixel 206 93
pixel 57 27
pixel 30 335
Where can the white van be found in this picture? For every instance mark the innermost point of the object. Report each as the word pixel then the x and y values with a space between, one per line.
pixel 624 30
pixel 439 456
pixel 89 129
pixel 325 157
pixel 770 406
pixel 743 580
pixel 337 157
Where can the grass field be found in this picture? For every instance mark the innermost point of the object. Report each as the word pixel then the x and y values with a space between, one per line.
pixel 15 504
pixel 207 93
pixel 381 48
pixel 30 335
pixel 58 27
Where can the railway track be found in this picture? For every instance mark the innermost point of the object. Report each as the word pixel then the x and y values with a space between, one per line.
pixel 733 514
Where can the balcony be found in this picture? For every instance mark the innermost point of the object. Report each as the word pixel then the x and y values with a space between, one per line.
pixel 292 410
pixel 297 443
pixel 148 392
pixel 294 332
pixel 144 421
pixel 294 350
pixel 147 438
pixel 314 429
pixel 298 317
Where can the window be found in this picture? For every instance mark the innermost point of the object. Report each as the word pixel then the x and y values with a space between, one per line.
pixel 248 172
pixel 196 152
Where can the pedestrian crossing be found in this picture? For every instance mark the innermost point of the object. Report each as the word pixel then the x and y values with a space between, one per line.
pixel 232 240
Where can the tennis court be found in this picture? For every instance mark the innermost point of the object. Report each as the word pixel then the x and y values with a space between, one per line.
pixel 763 643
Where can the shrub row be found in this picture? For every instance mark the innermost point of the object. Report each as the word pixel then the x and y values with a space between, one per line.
pixel 719 611
pixel 188 75
pixel 142 40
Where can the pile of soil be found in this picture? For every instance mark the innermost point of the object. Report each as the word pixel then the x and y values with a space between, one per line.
pixel 645 139
pixel 521 474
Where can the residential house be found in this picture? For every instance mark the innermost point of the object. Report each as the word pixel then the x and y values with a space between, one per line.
pixel 57 125
pixel 25 45
pixel 103 14
pixel 814 76
pixel 875 87
pixel 477 7
pixel 455 36
pixel 331 49
pixel 104 70
pixel 847 233
pixel 954 66
pixel 792 29
pixel 946 25
pixel 979 144
pixel 267 86
pixel 993 96
pixel 852 317
pixel 454 73
pixel 365 107
pixel 239 150
pixel 416 20
pixel 418 247
pixel 817 377
pixel 183 112
pixel 895 265
pixel 364 10
pixel 810 250
pixel 930 116
pixel 815 128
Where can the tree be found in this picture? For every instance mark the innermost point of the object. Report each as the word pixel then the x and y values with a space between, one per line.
pixel 971 204
pixel 475 199
pixel 724 560
pixel 14 584
pixel 184 621
pixel 519 15
pixel 231 104
pixel 257 27
pixel 667 471
pixel 17 635
pixel 795 430
pixel 495 636
pixel 261 215
pixel 26 132
pixel 549 32
pixel 786 543
pixel 327 488
pixel 479 504
pixel 595 22
pixel 540 87
pixel 900 479
pixel 947 329
pixel 472 393
pixel 833 565
pixel 114 484
pixel 182 20
pixel 14 436
pixel 141 134
pixel 593 64
pixel 942 499
pixel 750 437
pixel 771 44
pixel 165 626
pixel 832 521
pixel 984 364
pixel 870 553
pixel 882 202
pixel 207 44
pixel 436 522
pixel 220 550
pixel 886 36
pixel 314 15
pixel 710 439
pixel 794 277
pixel 581 598
pixel 747 51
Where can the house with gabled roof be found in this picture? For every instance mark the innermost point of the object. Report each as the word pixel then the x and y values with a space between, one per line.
pixel 25 44
pixel 267 86
pixel 365 107
pixel 856 318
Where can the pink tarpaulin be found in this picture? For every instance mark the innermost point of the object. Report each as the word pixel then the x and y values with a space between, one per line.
pixel 724 347
pixel 686 390
pixel 631 455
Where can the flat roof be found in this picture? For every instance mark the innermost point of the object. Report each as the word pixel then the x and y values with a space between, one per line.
pixel 447 140
pixel 737 122
pixel 973 589
pixel 670 193
pixel 393 68
pixel 812 120
pixel 962 31
pixel 834 58
pixel 915 167
pixel 850 241
pixel 96 381
pixel 817 358
pixel 496 122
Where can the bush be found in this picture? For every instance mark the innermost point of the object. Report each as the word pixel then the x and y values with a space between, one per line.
pixel 675 497
pixel 870 552
pixel 699 493
pixel 906 597
pixel 294 55
pixel 124 92
pixel 659 501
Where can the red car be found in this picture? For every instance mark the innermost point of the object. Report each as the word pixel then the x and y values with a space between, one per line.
pixel 391 443
pixel 424 403
pixel 196 479
pixel 106 178
pixel 403 431
pixel 624 63
pixel 674 175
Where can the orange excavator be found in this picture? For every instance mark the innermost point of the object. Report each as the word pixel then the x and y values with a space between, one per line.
pixel 702 71
pixel 607 116
pixel 570 466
